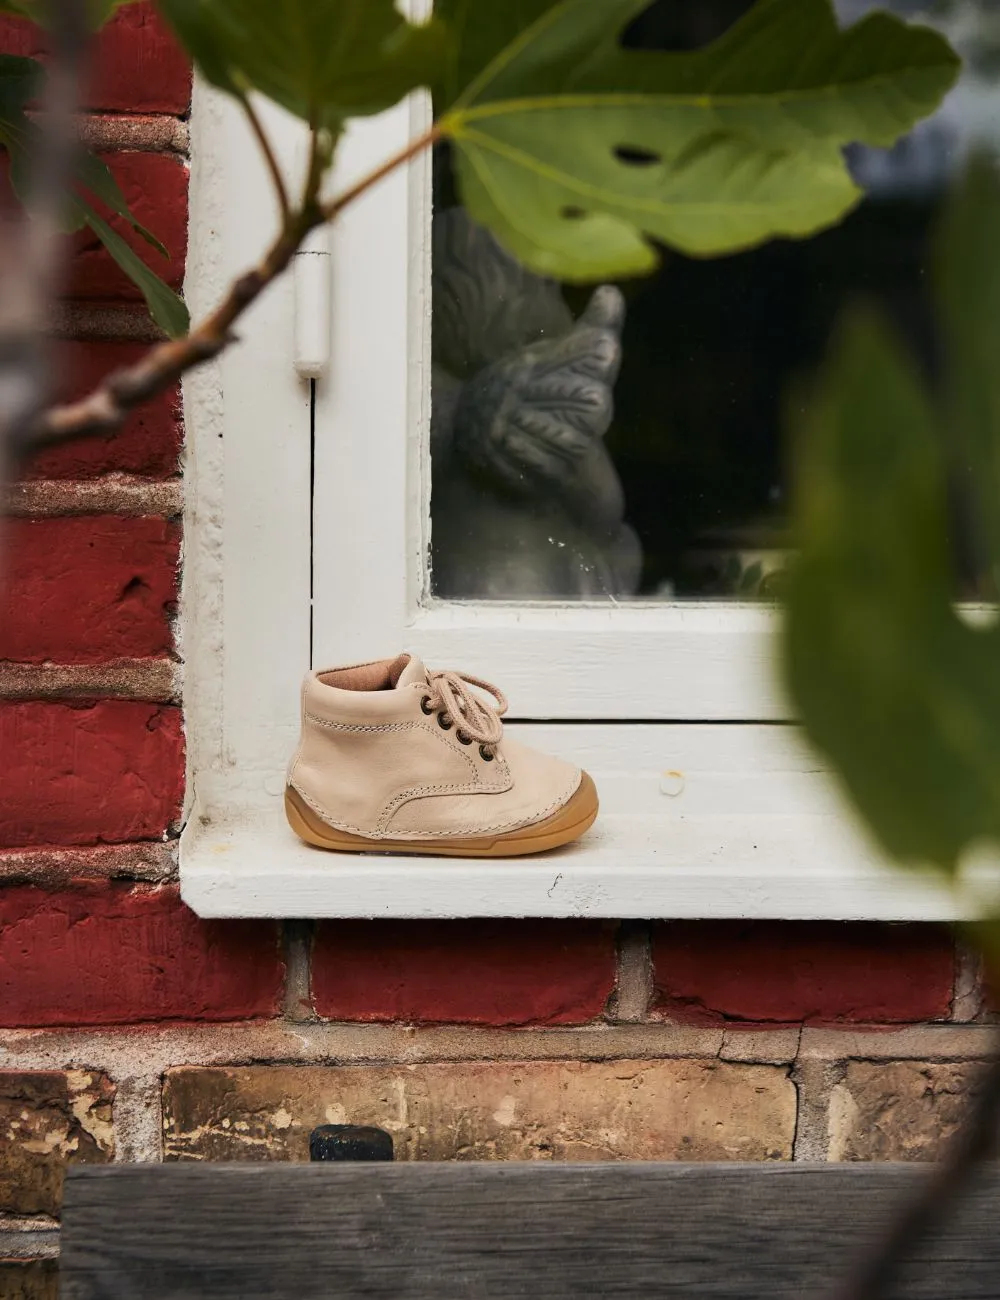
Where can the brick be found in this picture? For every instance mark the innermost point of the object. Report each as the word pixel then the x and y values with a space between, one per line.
pixel 29 1279
pixel 148 444
pixel 101 954
pixel 475 972
pixel 106 772
pixel 87 589
pixel 816 973
pixel 49 1120
pixel 903 1110
pixel 529 1110
pixel 155 187
pixel 136 65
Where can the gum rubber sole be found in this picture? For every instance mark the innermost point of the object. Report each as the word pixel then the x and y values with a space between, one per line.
pixel 562 827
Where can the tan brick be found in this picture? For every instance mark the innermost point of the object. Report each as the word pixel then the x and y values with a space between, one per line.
pixel 48 1120
pixel 31 1279
pixel 906 1110
pixel 528 1110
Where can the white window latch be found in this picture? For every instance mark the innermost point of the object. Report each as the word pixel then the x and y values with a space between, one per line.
pixel 312 273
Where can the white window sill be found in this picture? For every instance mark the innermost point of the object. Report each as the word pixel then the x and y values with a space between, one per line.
pixel 697 867
pixel 708 822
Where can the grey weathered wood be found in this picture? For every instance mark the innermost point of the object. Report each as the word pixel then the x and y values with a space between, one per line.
pixel 416 1231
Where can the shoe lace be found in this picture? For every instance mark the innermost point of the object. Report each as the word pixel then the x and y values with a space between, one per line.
pixel 452 693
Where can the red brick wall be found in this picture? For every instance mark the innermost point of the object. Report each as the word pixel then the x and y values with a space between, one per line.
pixel 129 1029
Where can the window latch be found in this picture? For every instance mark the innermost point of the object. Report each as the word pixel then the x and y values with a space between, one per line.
pixel 312 274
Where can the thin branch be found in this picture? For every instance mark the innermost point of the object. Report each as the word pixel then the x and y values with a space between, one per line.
pixel 974 1143
pixel 417 145
pixel 107 406
pixel 266 148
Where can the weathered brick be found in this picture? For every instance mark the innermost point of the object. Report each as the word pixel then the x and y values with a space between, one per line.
pixel 106 772
pixel 89 588
pixel 137 66
pixel 149 442
pixel 901 1110
pixel 155 188
pixel 29 1279
pixel 476 972
pixel 112 954
pixel 49 1120
pixel 537 1110
pixel 820 972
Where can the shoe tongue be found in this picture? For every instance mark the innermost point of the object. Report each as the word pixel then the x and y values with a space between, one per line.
pixel 413 672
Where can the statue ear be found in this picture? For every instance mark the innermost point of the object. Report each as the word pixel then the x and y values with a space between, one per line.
pixel 606 309
pixel 486 305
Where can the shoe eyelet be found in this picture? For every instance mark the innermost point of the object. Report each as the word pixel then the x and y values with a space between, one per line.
pixel 463 739
pixel 423 706
pixel 485 754
pixel 444 723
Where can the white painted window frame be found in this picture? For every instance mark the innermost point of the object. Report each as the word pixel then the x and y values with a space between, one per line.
pixel 711 805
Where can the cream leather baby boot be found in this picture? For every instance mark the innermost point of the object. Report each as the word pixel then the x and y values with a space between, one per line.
pixel 394 758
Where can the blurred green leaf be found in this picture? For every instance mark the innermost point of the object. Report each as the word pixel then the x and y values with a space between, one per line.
pixel 20 80
pixel 576 152
pixel 165 307
pixel 893 686
pixel 323 60
pixel 970 300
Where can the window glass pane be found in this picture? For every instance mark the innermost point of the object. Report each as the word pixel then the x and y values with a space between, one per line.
pixel 625 442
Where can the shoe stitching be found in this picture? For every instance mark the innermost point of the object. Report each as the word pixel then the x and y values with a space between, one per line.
pixel 516 823
pixel 425 791
pixel 476 786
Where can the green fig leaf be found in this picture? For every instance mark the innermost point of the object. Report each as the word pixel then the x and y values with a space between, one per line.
pixel 577 152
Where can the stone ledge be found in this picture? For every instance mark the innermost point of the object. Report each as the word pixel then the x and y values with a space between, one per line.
pixel 160 1047
pixel 945 1042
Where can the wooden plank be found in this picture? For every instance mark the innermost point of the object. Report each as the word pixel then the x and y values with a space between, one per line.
pixel 447 1231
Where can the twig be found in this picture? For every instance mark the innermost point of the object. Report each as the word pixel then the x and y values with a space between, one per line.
pixel 417 145
pixel 107 406
pixel 974 1143
pixel 266 148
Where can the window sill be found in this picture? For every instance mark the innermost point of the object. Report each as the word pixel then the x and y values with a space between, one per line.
pixel 251 865
pixel 697 821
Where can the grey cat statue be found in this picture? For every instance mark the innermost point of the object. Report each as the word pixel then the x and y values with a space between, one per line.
pixel 526 503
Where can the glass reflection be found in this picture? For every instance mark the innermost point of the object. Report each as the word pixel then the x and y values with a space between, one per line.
pixel 625 442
